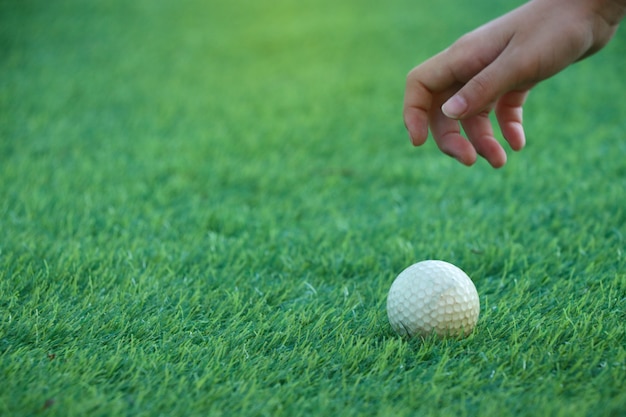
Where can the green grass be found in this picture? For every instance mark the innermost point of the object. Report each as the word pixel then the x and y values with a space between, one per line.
pixel 203 205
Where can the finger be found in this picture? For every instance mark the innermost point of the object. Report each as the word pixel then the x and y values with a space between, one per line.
pixel 422 83
pixel 447 135
pixel 509 115
pixel 416 113
pixel 480 133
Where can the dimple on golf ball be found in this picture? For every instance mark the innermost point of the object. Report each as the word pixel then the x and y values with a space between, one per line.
pixel 433 297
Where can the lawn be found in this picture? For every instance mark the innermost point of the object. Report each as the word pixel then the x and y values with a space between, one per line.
pixel 203 205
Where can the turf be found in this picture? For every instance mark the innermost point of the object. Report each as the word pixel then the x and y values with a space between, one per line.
pixel 203 205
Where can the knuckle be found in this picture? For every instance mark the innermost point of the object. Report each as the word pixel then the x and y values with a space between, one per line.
pixel 411 75
pixel 462 43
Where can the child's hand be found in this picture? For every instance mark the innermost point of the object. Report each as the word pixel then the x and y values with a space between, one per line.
pixel 494 67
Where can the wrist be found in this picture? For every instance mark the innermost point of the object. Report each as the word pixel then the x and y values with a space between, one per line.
pixel 611 11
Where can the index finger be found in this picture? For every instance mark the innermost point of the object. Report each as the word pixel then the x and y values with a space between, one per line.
pixel 422 83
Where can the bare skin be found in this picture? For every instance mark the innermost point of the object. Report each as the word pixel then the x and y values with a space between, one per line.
pixel 494 67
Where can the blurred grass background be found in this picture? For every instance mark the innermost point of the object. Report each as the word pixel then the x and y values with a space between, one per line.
pixel 203 205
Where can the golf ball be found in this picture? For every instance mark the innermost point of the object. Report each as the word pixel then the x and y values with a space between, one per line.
pixel 433 297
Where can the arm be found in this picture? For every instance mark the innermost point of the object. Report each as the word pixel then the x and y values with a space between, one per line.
pixel 494 67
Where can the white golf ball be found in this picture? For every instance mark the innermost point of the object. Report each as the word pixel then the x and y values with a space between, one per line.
pixel 433 297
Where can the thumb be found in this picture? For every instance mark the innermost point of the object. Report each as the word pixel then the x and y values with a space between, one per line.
pixel 504 74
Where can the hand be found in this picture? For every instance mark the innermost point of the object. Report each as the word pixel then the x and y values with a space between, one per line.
pixel 494 67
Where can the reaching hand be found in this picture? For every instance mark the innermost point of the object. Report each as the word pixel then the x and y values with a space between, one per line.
pixel 494 67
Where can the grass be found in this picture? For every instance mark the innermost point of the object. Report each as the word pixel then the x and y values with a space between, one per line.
pixel 203 205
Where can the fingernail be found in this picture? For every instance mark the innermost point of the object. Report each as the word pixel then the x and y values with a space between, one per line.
pixel 454 107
